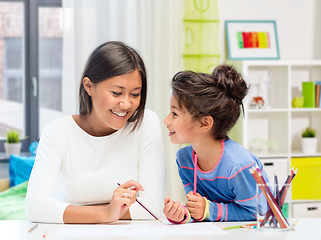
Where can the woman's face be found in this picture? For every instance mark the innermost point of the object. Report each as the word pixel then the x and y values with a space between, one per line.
pixel 115 100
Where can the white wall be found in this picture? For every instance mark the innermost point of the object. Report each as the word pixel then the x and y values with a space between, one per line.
pixel 298 24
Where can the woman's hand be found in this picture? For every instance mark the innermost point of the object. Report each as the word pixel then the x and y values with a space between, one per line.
pixel 124 196
pixel 173 210
pixel 195 205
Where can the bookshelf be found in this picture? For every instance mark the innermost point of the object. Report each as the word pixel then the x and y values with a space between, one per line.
pixel 273 133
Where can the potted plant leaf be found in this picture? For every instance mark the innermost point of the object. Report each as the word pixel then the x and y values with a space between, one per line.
pixel 309 141
pixel 12 144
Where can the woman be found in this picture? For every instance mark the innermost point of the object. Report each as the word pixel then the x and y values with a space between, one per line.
pixel 81 158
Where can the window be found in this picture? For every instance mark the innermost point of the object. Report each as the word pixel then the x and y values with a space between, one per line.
pixel 30 67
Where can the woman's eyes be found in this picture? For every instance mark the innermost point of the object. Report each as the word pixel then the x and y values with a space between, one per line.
pixel 116 93
pixel 119 93
pixel 135 94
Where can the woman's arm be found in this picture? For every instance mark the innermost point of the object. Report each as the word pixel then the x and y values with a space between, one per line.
pixel 118 207
pixel 40 203
pixel 152 169
pixel 41 206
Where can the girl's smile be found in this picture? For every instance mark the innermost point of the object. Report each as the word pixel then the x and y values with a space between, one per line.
pixel 170 133
pixel 181 125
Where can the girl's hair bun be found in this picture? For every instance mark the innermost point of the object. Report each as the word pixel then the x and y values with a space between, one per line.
pixel 218 95
pixel 231 82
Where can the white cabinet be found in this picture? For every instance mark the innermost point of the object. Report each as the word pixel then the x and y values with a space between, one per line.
pixel 278 166
pixel 311 209
pixel 273 132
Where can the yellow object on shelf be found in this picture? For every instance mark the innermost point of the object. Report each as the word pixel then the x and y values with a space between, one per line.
pixel 307 182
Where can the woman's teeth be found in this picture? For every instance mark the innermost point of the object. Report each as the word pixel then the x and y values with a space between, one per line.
pixel 119 114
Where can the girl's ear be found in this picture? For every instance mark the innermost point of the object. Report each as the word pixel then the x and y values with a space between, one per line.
pixel 88 85
pixel 206 123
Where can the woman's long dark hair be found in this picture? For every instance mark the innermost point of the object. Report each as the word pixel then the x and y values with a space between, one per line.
pixel 108 60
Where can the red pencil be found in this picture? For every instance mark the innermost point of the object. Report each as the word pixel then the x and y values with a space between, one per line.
pixel 195 174
pixel 146 208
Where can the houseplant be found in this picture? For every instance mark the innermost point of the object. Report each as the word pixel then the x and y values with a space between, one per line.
pixel 12 144
pixel 309 141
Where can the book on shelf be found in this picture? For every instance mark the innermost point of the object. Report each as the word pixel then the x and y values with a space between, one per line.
pixel 318 94
pixel 308 92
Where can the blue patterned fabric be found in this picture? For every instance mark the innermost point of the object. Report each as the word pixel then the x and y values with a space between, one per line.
pixel 229 187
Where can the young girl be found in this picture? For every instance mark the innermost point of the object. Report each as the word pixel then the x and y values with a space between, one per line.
pixel 213 168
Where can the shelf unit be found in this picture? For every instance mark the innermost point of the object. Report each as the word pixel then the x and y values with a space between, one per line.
pixel 274 133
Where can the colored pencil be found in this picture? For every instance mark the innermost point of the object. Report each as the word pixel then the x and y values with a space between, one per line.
pixel 277 195
pixel 33 228
pixel 232 227
pixel 277 192
pixel 262 181
pixel 274 207
pixel 283 190
pixel 250 226
pixel 295 223
pixel 146 208
pixel 195 174
pixel 283 194
pixel 240 226
pixel 270 199
pixel 45 233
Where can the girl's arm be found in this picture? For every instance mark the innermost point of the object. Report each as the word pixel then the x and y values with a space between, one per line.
pixel 244 206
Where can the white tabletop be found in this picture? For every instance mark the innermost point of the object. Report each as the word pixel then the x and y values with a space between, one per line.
pixel 306 228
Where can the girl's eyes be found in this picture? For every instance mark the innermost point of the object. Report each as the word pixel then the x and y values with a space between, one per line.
pixel 174 114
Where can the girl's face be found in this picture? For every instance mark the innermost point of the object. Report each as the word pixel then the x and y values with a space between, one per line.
pixel 180 123
pixel 115 100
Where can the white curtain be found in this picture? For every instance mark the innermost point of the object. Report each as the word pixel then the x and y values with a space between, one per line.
pixel 153 28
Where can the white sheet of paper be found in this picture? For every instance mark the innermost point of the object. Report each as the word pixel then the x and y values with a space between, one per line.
pixel 155 229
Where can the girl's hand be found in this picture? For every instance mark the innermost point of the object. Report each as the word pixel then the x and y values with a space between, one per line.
pixel 124 196
pixel 195 205
pixel 173 210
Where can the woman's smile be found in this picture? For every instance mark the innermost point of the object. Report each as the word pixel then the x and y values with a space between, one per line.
pixel 121 114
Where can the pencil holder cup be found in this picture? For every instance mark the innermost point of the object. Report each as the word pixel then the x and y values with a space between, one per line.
pixel 274 207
